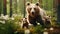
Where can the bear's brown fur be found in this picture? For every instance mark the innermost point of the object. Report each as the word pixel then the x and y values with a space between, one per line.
pixel 35 13
pixel 25 23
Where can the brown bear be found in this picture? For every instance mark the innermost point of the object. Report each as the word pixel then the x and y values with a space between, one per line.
pixel 35 14
pixel 24 23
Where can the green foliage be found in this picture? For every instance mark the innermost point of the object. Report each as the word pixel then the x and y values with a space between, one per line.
pixel 47 4
pixel 39 29
pixel 6 28
pixel 10 26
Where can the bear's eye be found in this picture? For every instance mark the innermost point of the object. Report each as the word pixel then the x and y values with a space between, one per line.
pixel 34 8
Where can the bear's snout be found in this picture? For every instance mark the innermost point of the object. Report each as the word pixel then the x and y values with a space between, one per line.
pixel 33 13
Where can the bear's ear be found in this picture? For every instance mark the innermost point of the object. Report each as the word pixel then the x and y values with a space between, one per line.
pixel 37 3
pixel 28 3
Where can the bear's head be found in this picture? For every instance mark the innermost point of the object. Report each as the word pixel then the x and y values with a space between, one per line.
pixel 32 9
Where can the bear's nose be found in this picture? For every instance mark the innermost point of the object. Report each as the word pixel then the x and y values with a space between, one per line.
pixel 32 12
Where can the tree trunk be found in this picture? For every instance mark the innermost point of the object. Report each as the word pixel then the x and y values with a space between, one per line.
pixel 0 7
pixel 24 7
pixel 11 8
pixel 58 12
pixel 15 6
pixel 4 7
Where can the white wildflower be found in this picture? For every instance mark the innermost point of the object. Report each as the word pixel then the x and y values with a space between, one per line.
pixel 3 22
pixel 12 18
pixel 14 15
pixel 45 29
pixel 6 17
pixel 45 32
pixel 38 23
pixel 51 28
pixel 27 31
